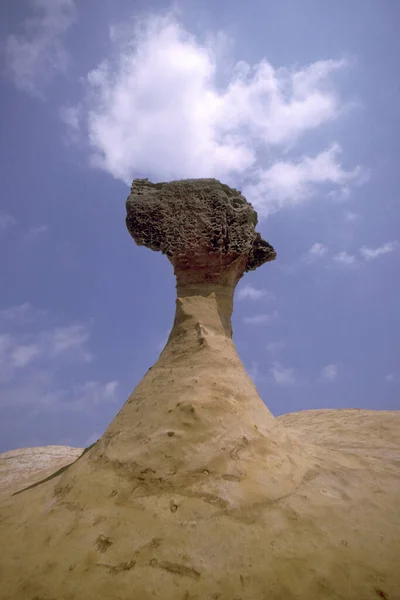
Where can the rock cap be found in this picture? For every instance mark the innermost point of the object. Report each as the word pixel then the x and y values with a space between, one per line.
pixel 199 224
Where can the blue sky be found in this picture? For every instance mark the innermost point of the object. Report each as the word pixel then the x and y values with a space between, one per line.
pixel 294 103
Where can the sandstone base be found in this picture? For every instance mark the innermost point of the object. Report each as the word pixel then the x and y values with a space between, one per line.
pixel 333 533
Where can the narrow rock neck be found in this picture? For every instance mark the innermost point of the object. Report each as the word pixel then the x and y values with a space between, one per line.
pixel 203 308
pixel 204 302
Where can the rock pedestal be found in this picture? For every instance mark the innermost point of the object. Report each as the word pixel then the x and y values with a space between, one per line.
pixel 195 491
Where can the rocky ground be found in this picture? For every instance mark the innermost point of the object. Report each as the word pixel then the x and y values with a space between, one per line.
pixel 25 466
pixel 372 434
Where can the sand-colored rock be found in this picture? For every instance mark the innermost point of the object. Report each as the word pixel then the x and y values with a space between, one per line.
pixel 195 491
pixel 372 434
pixel 26 466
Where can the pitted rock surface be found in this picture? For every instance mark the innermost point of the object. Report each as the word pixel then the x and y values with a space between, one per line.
pixel 197 223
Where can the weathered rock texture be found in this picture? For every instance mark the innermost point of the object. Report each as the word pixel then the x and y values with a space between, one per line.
pixel 195 491
pixel 205 228
pixel 26 466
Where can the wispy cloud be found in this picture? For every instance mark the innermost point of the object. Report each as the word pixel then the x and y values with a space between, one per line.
pixel 94 393
pixel 261 319
pixel 34 388
pixel 283 375
pixel 249 292
pixel 32 355
pixel 343 193
pixel 350 216
pixel 195 128
pixel 33 235
pixel 317 250
pixel 329 373
pixel 20 314
pixel 371 253
pixel 70 115
pixel 22 355
pixel 38 391
pixel 392 378
pixel 6 221
pixel 350 260
pixel 18 349
pixel 35 56
pixel 66 340
pixel 290 183
pixel 343 258
pixel 36 231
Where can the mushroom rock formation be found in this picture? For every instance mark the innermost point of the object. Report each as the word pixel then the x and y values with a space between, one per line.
pixel 195 491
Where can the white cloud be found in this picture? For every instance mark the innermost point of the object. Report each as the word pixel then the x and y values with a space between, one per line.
pixel 329 373
pixel 283 375
pixel 367 253
pixel 35 56
pixel 346 259
pixel 278 105
pixel 371 253
pixel 155 108
pixel 289 183
pixel 261 319
pixel 316 251
pixel 275 347
pixel 248 291
pixel 6 221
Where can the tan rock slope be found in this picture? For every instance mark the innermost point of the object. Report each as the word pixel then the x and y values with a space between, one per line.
pixel 195 491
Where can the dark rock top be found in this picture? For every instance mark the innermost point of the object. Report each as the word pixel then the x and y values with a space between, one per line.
pixel 197 223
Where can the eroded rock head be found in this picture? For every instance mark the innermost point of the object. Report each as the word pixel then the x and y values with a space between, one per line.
pixel 200 224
